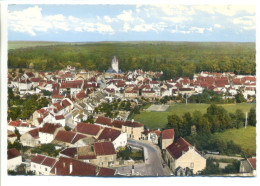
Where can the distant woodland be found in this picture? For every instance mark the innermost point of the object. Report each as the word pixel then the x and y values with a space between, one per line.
pixel 173 58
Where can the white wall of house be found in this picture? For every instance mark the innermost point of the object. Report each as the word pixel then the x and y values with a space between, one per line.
pixel 191 159
pixel 22 130
pixel 28 140
pixel 12 163
pixel 120 141
pixel 24 86
pixel 40 169
pixel 45 137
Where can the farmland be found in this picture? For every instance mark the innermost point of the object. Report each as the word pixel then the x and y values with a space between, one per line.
pixel 244 137
pixel 159 119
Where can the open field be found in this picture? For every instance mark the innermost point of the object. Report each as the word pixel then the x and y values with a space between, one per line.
pixel 159 119
pixel 28 44
pixel 244 137
pixel 158 108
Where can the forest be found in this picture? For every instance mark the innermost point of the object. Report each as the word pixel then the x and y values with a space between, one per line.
pixel 173 58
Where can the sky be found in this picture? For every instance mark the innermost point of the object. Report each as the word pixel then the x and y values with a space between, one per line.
pixel 90 23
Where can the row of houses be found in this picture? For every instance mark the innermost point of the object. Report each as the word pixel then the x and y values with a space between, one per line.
pixel 131 84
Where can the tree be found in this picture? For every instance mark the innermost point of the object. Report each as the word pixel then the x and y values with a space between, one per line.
pixel 17 133
pixel 239 118
pixel 175 122
pixel 240 98
pixel 252 117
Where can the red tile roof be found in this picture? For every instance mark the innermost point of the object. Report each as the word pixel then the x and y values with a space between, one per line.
pixel 34 133
pixel 43 160
pixel 12 153
pixel 168 134
pixel 104 148
pixel 117 123
pixel 106 172
pixel 48 161
pixel 38 159
pixel 81 95
pixel 59 117
pixel 15 123
pixel 71 152
pixel 65 103
pixel 87 128
pixel 252 162
pixel 177 148
pixel 68 136
pixel 103 120
pixel 58 106
pixel 49 128
pixel 133 124
pixel 109 134
pixel 79 168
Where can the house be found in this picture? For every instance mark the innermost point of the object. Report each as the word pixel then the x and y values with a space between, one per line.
pixel 85 154
pixel 67 138
pixel 88 129
pixel 21 126
pixel 42 165
pixel 14 159
pixel 133 129
pixel 181 154
pixel 103 121
pixel 105 153
pixel 47 132
pixel 71 167
pixel 153 136
pixel 30 138
pixel 79 116
pixel 11 136
pixel 166 138
pixel 248 166
pixel 118 138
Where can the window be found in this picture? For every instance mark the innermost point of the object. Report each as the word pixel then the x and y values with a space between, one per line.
pixel 111 158
pixel 191 165
pixel 46 169
pixel 100 159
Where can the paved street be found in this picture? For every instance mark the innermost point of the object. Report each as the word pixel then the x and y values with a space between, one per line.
pixel 153 163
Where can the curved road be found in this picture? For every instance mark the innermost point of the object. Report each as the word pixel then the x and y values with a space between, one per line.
pixel 153 163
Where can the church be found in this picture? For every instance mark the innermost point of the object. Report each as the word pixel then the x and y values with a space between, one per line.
pixel 114 66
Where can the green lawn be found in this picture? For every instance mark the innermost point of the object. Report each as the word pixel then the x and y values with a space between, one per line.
pixel 159 119
pixel 244 137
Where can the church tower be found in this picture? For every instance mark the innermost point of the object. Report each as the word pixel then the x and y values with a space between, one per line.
pixel 114 64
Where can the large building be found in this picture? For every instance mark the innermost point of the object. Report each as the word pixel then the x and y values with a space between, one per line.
pixel 114 66
pixel 180 155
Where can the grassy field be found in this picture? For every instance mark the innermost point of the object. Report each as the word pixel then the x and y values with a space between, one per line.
pixel 244 137
pixel 27 44
pixel 159 119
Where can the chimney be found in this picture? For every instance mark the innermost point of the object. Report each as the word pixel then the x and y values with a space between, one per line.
pixel 109 139
pixel 63 164
pixel 70 168
pixel 55 170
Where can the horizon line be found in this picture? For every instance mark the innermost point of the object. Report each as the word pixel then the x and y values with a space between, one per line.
pixel 132 41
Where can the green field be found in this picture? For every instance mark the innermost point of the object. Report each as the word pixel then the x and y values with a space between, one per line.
pixel 244 137
pixel 28 44
pixel 159 119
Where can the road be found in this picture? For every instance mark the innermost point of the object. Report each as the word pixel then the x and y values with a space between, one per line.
pixel 152 165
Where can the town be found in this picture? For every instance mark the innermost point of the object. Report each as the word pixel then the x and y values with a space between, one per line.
pixel 79 122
